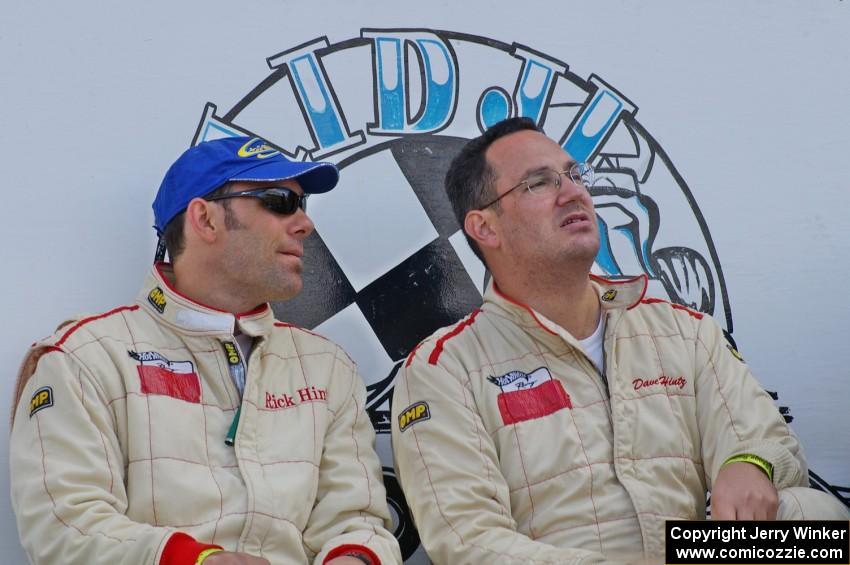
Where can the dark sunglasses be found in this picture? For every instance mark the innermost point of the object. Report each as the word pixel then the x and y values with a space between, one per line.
pixel 279 200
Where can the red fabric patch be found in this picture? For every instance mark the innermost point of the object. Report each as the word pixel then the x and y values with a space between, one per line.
pixel 182 549
pixel 183 386
pixel 353 549
pixel 542 400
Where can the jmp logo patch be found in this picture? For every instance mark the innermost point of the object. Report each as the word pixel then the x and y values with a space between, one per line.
pixel 158 375
pixel 527 396
pixel 416 412
pixel 41 399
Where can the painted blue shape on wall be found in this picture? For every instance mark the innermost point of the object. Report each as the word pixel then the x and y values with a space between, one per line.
pixel 439 95
pixel 536 82
pixel 390 81
pixel 605 256
pixel 495 106
pixel 530 102
pixel 315 95
pixel 437 71
pixel 601 114
pixel 320 110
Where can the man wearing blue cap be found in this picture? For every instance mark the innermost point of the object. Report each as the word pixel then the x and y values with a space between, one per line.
pixel 190 426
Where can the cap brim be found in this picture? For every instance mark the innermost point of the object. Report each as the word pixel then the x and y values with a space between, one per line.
pixel 314 178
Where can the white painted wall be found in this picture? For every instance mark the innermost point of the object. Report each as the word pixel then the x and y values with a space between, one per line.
pixel 749 99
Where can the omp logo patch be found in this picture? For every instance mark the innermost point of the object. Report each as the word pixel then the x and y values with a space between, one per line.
pixel 158 375
pixel 416 412
pixel 609 295
pixel 231 352
pixel 157 299
pixel 41 399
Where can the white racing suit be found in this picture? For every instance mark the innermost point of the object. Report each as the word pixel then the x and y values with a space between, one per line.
pixel 512 447
pixel 118 445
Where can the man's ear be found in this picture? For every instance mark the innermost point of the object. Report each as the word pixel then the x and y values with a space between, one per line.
pixel 481 226
pixel 204 219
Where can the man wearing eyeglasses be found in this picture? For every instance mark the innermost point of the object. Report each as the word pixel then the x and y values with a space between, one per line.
pixel 190 426
pixel 569 417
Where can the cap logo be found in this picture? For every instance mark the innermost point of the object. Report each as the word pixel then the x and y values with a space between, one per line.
pixel 258 148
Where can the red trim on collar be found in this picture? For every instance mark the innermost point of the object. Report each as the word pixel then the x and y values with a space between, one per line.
pixel 255 311
pixel 438 349
pixel 521 305
pixel 84 321
pixel 603 280
pixel 412 354
pixel 692 313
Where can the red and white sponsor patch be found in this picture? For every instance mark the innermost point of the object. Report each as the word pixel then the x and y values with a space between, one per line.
pixel 527 396
pixel 161 376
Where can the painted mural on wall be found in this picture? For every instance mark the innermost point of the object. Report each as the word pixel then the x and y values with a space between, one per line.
pixel 388 263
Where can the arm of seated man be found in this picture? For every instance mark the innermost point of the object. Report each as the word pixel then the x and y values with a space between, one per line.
pixel 748 450
pixel 742 491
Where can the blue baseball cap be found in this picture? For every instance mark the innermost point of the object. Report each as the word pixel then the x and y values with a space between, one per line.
pixel 207 166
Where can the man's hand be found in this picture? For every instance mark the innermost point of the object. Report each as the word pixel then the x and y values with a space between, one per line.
pixel 233 558
pixel 743 492
pixel 344 560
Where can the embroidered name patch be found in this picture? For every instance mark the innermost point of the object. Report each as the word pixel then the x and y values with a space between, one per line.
pixel 416 412
pixel 158 375
pixel 41 399
pixel 279 400
pixel 663 380
pixel 527 396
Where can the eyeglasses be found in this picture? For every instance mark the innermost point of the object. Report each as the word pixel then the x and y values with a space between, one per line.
pixel 283 201
pixel 547 180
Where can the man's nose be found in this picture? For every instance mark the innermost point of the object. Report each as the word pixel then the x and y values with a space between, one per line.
pixel 302 225
pixel 570 190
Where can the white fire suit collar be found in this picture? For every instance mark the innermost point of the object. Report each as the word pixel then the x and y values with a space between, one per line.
pixel 159 297
pixel 620 294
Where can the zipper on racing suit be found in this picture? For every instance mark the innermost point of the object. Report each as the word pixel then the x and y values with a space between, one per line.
pixel 236 366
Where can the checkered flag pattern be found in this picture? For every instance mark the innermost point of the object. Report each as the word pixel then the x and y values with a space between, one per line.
pixel 397 268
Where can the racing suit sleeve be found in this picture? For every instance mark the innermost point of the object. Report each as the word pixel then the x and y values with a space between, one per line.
pixel 736 415
pixel 350 514
pixel 450 474
pixel 68 473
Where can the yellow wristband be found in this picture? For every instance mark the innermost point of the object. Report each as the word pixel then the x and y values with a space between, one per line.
pixel 206 553
pixel 753 459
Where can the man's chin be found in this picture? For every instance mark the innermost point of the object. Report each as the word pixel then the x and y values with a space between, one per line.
pixel 288 291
